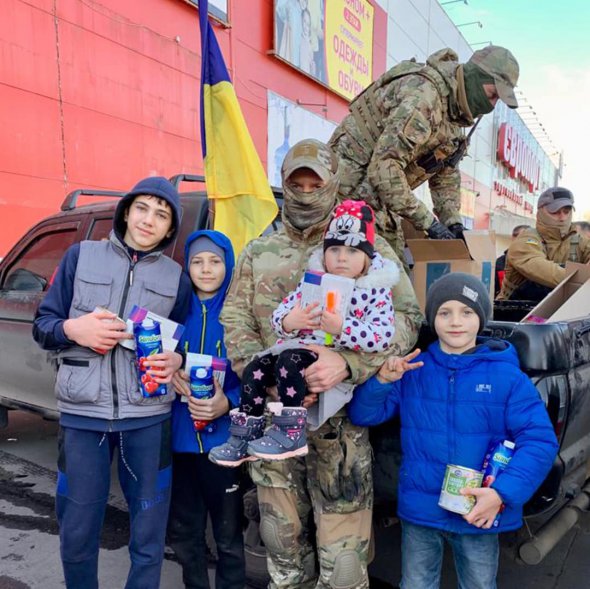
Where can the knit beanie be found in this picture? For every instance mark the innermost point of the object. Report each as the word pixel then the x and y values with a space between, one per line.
pixel 204 244
pixel 353 225
pixel 461 287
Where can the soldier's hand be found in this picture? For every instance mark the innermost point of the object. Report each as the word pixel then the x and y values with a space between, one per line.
pixel 457 230
pixel 439 231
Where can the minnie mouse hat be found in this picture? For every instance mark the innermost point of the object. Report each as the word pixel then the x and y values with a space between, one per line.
pixel 353 225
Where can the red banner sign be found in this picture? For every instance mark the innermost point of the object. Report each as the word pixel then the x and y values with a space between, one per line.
pixel 516 154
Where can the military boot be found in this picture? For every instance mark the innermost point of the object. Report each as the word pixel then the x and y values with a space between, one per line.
pixel 243 429
pixel 286 437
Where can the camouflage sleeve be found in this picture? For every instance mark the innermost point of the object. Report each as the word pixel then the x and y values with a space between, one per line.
pixel 445 189
pixel 527 256
pixel 241 329
pixel 407 127
pixel 408 319
pixel 286 306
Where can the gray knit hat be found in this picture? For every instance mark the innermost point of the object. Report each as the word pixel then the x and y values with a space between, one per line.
pixel 204 244
pixel 461 287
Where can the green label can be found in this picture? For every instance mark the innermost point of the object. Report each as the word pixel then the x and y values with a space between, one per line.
pixel 456 478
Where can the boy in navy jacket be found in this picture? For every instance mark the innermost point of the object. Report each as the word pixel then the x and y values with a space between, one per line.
pixel 458 397
pixel 102 410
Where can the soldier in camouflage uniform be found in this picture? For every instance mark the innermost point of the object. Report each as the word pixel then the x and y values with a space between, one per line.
pixel 407 127
pixel 333 483
pixel 535 261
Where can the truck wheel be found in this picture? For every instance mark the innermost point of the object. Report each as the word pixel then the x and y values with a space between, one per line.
pixel 256 570
pixel 3 417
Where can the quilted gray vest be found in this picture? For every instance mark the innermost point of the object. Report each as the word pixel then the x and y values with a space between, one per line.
pixel 106 386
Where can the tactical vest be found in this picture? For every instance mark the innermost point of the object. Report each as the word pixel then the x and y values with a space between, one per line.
pixel 369 120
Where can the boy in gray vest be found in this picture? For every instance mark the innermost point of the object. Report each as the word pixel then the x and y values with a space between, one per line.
pixel 98 396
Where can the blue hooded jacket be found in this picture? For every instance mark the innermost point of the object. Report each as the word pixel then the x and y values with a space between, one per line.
pixel 451 410
pixel 203 334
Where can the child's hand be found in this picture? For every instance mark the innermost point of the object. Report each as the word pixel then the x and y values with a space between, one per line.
pixel 180 382
pixel 163 366
pixel 101 330
pixel 487 506
pixel 395 367
pixel 331 322
pixel 299 318
pixel 209 409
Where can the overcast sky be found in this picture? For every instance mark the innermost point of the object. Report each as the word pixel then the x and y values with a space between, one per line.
pixel 551 41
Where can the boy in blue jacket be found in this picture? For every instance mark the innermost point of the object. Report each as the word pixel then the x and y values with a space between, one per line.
pixel 458 397
pixel 102 410
pixel 200 487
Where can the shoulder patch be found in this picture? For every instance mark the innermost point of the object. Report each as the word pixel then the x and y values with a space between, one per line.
pixel 532 241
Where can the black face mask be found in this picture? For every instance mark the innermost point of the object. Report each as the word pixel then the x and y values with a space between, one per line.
pixel 475 78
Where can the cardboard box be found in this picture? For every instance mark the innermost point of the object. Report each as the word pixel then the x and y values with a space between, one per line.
pixel 570 299
pixel 434 258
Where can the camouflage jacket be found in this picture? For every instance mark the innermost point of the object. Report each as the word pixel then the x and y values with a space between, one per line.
pixel 269 268
pixel 409 116
pixel 540 257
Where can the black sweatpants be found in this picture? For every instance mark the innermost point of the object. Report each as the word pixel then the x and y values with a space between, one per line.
pixel 200 487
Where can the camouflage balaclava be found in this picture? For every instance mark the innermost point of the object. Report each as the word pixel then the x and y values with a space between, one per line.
pixel 502 66
pixel 305 209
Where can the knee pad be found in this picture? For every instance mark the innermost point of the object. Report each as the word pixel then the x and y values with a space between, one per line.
pixel 348 572
pixel 278 538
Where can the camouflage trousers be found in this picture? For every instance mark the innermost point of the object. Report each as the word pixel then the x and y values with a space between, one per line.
pixel 332 487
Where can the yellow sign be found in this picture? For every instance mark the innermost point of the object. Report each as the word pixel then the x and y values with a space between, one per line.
pixel 349 45
pixel 329 40
pixel 467 203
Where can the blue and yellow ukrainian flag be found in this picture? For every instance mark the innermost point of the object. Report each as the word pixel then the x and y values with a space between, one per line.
pixel 244 202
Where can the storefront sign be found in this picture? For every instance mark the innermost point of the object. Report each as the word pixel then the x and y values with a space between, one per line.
pixel 329 40
pixel 517 155
pixel 510 194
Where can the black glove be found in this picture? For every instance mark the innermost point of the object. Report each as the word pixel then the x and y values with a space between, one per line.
pixel 439 231
pixel 457 230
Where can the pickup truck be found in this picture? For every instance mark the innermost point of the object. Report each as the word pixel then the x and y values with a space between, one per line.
pixel 556 357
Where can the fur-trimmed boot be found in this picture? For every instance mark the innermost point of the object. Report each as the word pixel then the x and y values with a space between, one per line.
pixel 285 438
pixel 243 429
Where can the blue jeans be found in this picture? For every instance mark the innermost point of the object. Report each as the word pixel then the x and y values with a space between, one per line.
pixel 83 483
pixel 475 555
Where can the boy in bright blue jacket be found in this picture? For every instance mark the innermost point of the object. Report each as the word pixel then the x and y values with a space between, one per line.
pixel 461 395
pixel 200 487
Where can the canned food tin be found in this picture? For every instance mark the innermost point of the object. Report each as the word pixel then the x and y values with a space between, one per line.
pixel 457 477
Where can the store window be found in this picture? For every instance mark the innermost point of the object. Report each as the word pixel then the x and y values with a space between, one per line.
pixel 217 8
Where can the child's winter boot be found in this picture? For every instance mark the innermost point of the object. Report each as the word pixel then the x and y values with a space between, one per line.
pixel 243 429
pixel 285 438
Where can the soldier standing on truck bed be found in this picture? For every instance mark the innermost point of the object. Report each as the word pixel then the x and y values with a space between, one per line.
pixel 407 127
pixel 536 258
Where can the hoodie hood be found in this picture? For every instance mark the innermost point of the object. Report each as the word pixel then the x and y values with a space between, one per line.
pixel 159 187
pixel 205 335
